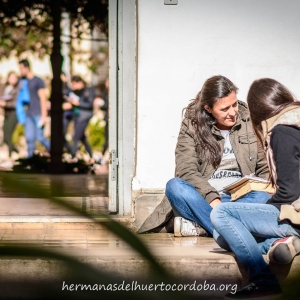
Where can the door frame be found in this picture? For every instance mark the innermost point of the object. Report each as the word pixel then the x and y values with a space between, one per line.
pixel 122 103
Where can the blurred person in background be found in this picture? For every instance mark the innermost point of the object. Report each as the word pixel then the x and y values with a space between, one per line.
pixel 102 103
pixel 36 114
pixel 67 109
pixel 80 100
pixel 9 92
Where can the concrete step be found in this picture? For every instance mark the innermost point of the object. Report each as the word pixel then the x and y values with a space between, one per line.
pixel 58 222
pixel 189 259
pixel 39 213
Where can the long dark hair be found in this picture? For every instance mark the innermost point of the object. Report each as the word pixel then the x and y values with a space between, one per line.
pixel 212 90
pixel 267 98
pixel 8 75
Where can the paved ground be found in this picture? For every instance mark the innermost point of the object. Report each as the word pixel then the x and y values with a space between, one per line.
pixel 14 207
pixel 34 222
pixel 189 259
pixel 40 223
pixel 73 185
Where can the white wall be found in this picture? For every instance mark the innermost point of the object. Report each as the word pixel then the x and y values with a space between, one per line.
pixel 179 46
pixel 40 67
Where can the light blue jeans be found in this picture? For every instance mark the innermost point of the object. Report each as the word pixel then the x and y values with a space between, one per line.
pixel 33 132
pixel 188 203
pixel 241 224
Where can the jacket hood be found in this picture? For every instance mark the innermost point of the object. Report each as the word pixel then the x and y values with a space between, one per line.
pixel 244 111
pixel 288 116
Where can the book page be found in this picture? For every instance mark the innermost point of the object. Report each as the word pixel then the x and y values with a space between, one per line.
pixel 245 179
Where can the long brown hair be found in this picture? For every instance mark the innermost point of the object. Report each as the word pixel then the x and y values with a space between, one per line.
pixel 8 75
pixel 267 98
pixel 212 90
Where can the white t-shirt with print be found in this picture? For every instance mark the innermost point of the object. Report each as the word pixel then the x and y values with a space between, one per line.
pixel 228 170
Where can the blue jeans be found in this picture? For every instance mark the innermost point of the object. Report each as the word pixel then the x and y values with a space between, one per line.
pixel 240 224
pixel 188 203
pixel 33 132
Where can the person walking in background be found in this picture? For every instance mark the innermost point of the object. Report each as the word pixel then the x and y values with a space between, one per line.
pixel 65 85
pixel 8 99
pixel 81 100
pixel 36 113
pixel 102 103
pixel 67 108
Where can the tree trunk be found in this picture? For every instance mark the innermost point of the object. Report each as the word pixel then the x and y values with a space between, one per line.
pixel 57 138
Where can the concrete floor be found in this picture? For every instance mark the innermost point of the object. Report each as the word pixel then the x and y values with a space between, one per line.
pixel 44 207
pixel 38 223
pixel 189 259
pixel 67 185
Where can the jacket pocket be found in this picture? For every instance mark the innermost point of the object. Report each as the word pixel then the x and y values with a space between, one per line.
pixel 248 153
pixel 247 139
pixel 202 165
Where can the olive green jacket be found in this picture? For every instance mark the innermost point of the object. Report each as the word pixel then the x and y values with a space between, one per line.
pixel 196 169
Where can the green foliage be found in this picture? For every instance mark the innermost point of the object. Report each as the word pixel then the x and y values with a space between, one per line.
pixel 18 133
pixel 96 133
pixel 16 38
pixel 27 25
pixel 43 18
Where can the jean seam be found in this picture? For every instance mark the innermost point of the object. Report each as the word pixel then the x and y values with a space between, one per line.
pixel 242 242
pixel 175 203
pixel 179 207
pixel 257 209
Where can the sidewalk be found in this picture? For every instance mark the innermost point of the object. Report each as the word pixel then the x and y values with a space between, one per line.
pixel 40 223
pixel 190 259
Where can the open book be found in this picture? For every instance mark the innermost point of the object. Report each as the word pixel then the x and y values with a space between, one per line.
pixel 248 184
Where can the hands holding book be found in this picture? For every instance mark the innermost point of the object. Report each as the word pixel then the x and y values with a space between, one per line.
pixel 248 184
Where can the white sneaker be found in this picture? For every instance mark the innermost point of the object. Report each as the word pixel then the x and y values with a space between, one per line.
pixel 184 227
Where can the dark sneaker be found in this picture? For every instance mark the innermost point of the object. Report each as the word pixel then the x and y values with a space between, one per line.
pixel 184 227
pixel 254 291
pixel 284 250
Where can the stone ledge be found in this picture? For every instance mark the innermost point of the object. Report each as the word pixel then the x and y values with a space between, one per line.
pixel 57 222
pixel 189 259
pixel 145 205
pixel 47 272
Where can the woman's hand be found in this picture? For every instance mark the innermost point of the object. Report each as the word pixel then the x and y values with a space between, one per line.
pixel 215 202
pixel 2 103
